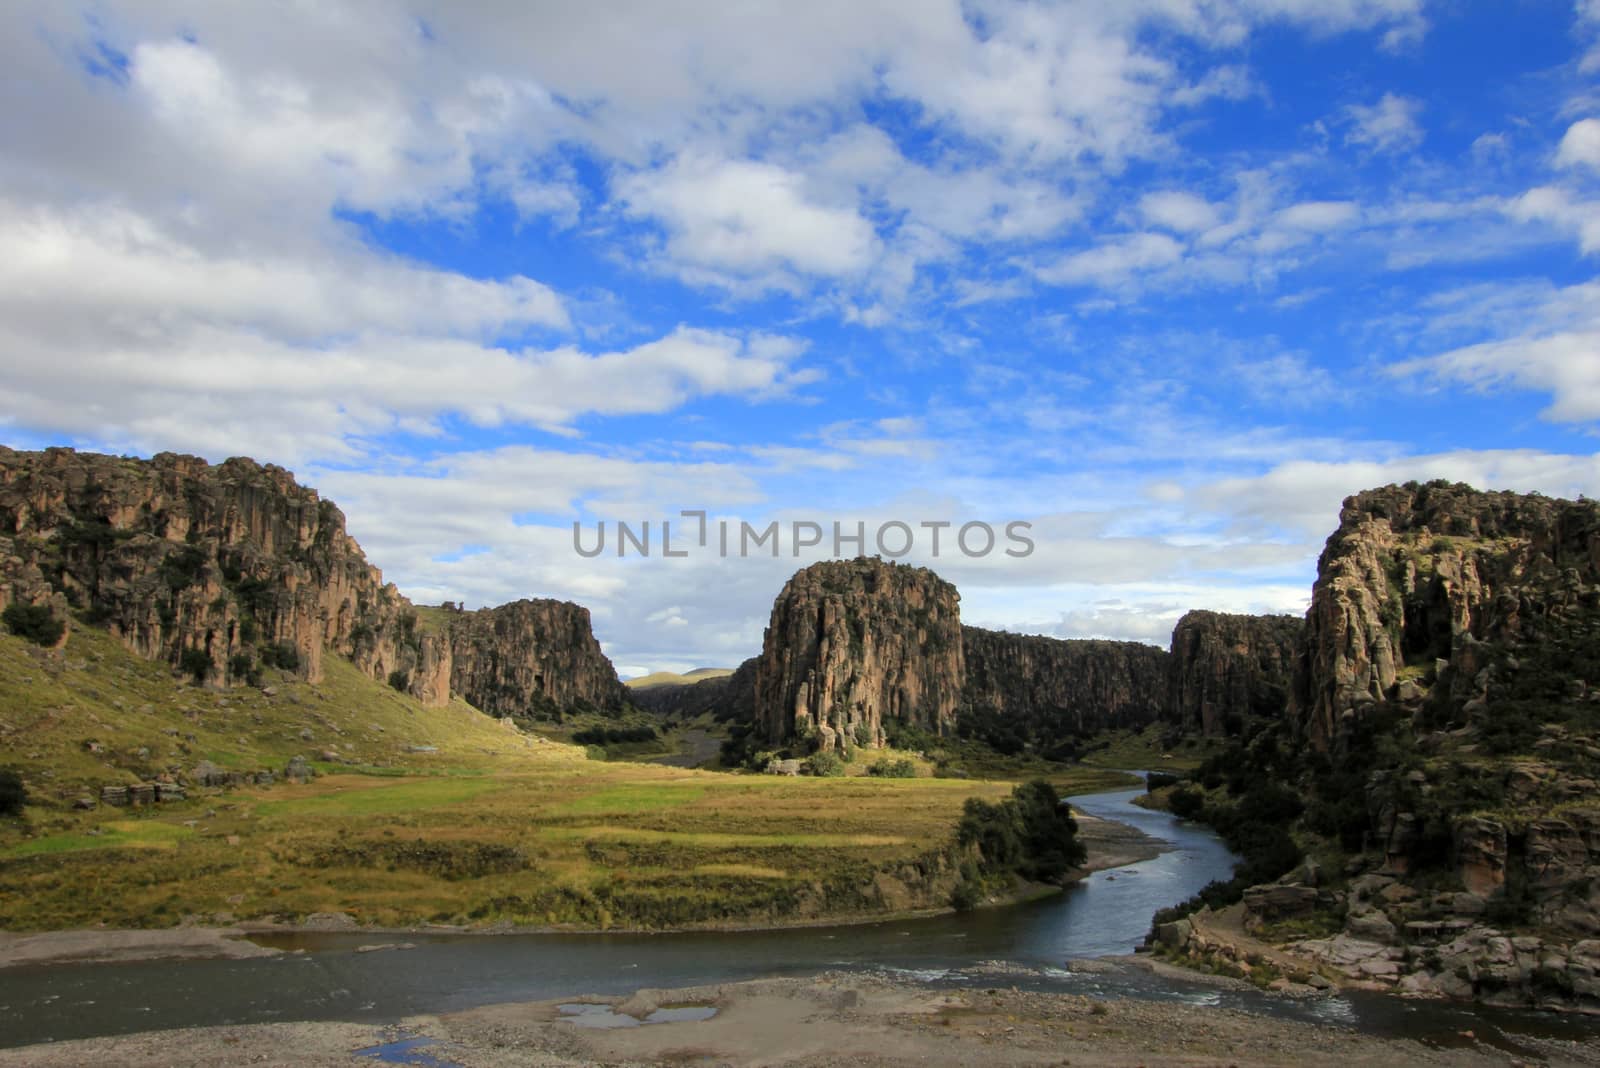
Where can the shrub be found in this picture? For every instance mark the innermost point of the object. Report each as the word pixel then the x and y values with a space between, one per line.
pixel 614 735
pixel 1158 779
pixel 281 655
pixel 13 795
pixel 399 680
pixel 196 663
pixel 1031 834
pixel 893 769
pixel 35 622
pixel 243 666
pixel 823 765
pixel 966 896
pixel 594 752
pixel 1186 802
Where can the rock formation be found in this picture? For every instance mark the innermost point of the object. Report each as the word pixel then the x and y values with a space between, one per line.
pixel 1443 688
pixel 221 569
pixel 1230 665
pixel 531 656
pixel 854 644
pixel 1417 576
pixel 1048 690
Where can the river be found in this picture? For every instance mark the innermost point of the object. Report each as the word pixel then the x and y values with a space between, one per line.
pixel 1027 946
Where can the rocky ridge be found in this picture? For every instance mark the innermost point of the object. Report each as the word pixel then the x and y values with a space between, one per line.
pixel 1223 664
pixel 220 570
pixel 854 646
pixel 1043 690
pixel 1447 740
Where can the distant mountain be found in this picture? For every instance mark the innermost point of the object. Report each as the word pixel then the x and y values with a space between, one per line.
pixel 671 678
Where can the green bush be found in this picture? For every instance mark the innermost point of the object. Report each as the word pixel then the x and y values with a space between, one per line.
pixel 195 663
pixel 1031 833
pixel 1186 802
pixel 893 769
pixel 13 795
pixel 399 680
pixel 281 655
pixel 823 765
pixel 35 622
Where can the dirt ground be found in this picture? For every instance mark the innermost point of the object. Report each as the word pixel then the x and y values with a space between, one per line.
pixel 829 1020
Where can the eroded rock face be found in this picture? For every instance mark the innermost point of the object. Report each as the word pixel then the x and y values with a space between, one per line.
pixel 1226 665
pixel 530 657
pixel 220 569
pixel 1417 576
pixel 1050 689
pixel 854 644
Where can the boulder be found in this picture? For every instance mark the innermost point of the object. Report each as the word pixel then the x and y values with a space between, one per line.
pixel 1269 904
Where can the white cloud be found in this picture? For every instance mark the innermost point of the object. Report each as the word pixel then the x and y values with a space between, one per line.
pixel 1113 262
pixel 1556 351
pixel 1390 125
pixel 110 264
pixel 1318 215
pixel 1180 212
pixel 748 220
pixel 1549 204
pixel 1580 146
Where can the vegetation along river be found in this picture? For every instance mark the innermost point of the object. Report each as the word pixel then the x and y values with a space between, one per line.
pixel 1027 946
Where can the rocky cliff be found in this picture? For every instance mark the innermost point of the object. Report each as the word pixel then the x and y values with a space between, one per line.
pixel 1045 691
pixel 1417 577
pixel 1227 666
pixel 531 657
pixel 221 570
pixel 1442 748
pixel 855 644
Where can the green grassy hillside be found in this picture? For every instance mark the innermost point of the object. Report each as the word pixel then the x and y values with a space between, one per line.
pixel 419 814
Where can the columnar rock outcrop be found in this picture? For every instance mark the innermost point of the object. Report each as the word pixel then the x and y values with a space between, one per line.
pixel 1417 575
pixel 219 569
pixel 1047 690
pixel 1226 665
pixel 853 644
pixel 531 656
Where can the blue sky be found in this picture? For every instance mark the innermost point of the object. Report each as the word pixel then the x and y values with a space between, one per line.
pixel 1165 279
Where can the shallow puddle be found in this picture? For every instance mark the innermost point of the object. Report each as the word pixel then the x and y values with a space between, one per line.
pixel 407 1051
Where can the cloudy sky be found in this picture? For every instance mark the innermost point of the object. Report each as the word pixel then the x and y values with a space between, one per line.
pixel 1165 278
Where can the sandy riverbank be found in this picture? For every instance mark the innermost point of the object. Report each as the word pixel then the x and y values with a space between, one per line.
pixel 835 1019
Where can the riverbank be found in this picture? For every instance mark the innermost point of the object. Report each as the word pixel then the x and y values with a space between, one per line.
pixel 832 1019
pixel 1110 844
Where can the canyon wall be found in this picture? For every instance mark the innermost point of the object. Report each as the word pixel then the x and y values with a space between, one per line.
pixel 1226 666
pixel 223 569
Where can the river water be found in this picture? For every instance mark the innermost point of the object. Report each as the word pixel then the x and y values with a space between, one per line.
pixel 1027 946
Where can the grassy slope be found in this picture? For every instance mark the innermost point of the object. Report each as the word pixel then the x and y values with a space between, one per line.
pixel 490 825
pixel 669 678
